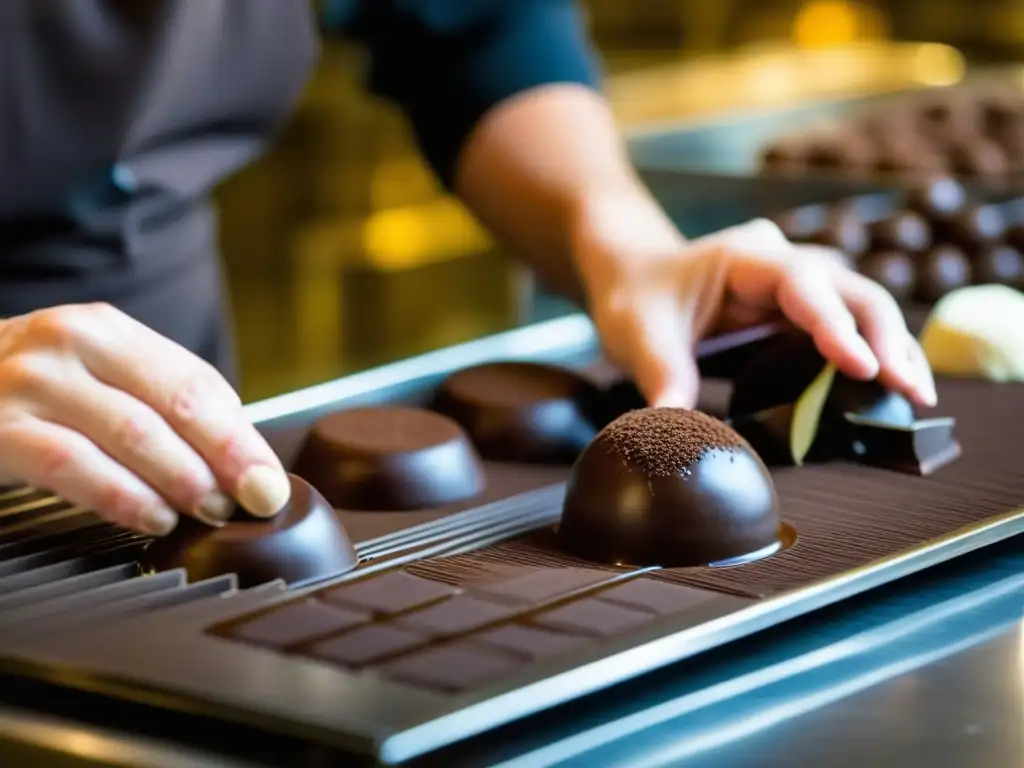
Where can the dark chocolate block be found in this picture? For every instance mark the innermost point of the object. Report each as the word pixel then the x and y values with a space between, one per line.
pixel 530 642
pixel 657 597
pixel 592 617
pixel 920 449
pixel 295 623
pixel 459 614
pixel 452 667
pixel 366 644
pixel 543 585
pixel 389 593
pixel 392 458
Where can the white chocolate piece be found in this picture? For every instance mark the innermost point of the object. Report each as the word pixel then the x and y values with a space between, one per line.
pixel 977 332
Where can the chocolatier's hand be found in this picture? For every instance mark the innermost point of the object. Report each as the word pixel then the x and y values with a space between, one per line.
pixel 115 418
pixel 652 295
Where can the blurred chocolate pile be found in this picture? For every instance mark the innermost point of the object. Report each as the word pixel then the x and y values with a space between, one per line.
pixel 922 244
pixel 975 132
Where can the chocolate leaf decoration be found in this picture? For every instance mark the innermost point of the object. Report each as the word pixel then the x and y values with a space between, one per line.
pixel 807 414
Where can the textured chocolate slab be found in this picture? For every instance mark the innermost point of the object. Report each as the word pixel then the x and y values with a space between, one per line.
pixel 542 584
pixel 451 667
pixel 389 593
pixel 366 644
pixel 846 515
pixel 459 614
pixel 295 623
pixel 592 617
pixel 530 642
pixel 656 597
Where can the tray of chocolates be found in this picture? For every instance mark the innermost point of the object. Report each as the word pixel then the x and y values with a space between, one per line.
pixel 489 531
pixel 920 243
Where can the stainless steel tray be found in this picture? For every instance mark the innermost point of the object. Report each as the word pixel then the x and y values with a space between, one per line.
pixel 164 657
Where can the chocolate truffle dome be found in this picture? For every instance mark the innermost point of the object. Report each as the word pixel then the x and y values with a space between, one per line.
pixel 390 459
pixel 669 487
pixel 304 541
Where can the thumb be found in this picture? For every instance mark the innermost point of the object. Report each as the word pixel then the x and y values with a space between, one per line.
pixel 658 340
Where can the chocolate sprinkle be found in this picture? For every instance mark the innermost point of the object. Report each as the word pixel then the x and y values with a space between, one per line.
pixel 663 442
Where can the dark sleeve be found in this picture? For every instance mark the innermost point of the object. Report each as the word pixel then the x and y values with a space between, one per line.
pixel 447 62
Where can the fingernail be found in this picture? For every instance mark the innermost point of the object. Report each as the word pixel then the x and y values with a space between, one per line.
pixel 928 392
pixel 264 491
pixel 675 398
pixel 158 521
pixel 214 509
pixel 855 343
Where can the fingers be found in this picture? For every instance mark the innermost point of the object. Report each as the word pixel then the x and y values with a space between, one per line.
pixel 73 467
pixel 192 398
pixel 653 341
pixel 902 364
pixel 134 435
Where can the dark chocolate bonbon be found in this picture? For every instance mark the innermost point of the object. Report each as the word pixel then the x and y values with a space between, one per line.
pixel 670 487
pixel 390 459
pixel 526 412
pixel 920 449
pixel 304 541
pixel 939 271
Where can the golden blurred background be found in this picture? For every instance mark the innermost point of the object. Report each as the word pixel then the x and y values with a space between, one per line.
pixel 343 253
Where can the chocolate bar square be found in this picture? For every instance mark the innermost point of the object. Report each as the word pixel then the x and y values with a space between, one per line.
pixel 454 616
pixel 453 667
pixel 543 584
pixel 297 622
pixel 657 597
pixel 366 644
pixel 592 617
pixel 389 593
pixel 531 642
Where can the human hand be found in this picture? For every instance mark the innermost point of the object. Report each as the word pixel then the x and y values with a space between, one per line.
pixel 653 295
pixel 116 419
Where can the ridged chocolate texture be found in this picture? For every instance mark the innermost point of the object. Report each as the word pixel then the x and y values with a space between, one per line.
pixel 524 412
pixel 304 541
pixel 390 459
pixel 669 487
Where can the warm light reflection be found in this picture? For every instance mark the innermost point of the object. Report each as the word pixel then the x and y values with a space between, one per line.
pixel 937 64
pixel 821 23
pixel 413 235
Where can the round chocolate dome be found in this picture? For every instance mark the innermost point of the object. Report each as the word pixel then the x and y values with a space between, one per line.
pixel 390 459
pixel 304 541
pixel 669 487
pixel 526 412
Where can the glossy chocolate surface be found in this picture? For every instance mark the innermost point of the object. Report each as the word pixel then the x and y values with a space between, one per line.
pixel 763 396
pixel 941 270
pixel 896 271
pixel 1001 264
pixel 719 506
pixel 919 449
pixel 904 231
pixel 937 198
pixel 391 458
pixel 304 541
pixel 525 412
pixel 975 227
pixel 844 231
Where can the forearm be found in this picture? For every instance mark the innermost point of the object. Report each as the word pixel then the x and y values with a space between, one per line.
pixel 544 169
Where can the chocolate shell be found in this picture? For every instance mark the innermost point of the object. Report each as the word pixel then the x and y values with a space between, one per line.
pixel 762 407
pixel 673 488
pixel 305 541
pixel 524 412
pixel 390 459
